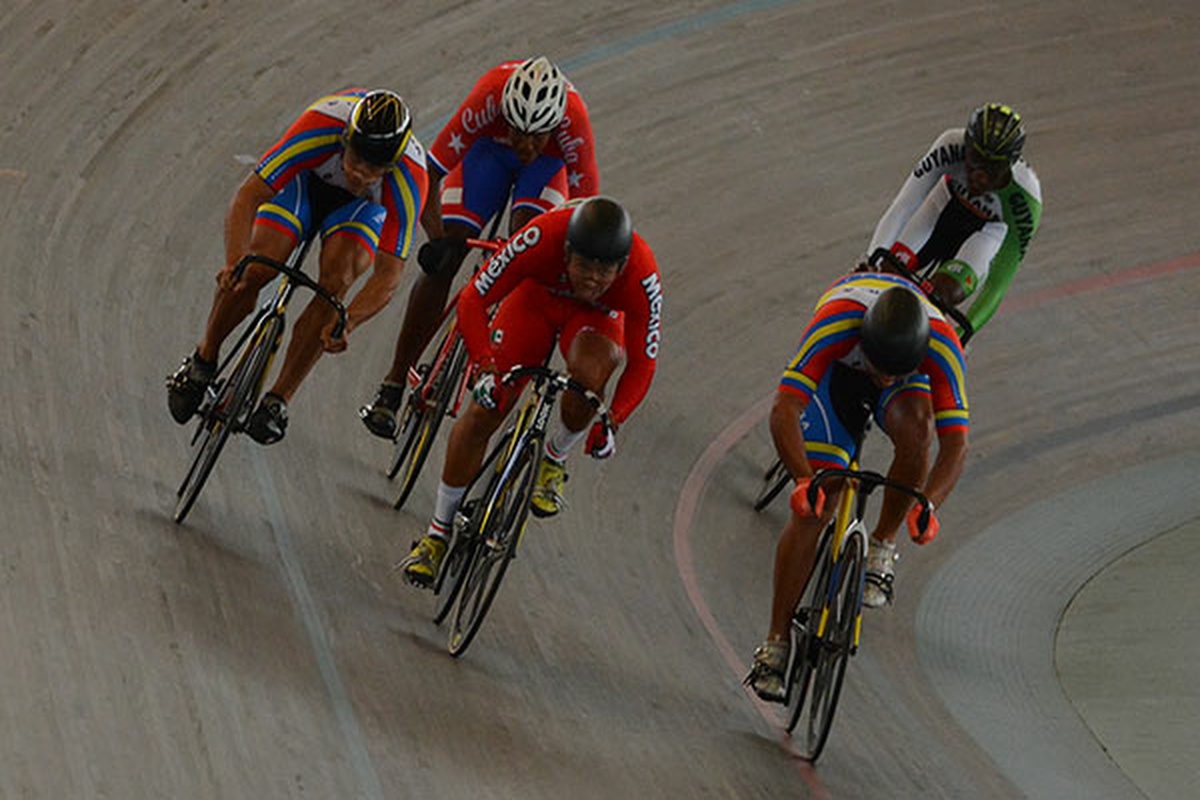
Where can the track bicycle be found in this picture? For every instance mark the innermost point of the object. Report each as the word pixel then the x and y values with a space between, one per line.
pixel 234 391
pixel 826 626
pixel 776 476
pixel 491 520
pixel 437 388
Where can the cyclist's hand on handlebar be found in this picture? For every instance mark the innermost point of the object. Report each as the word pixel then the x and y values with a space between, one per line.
pixel 436 254
pixel 486 391
pixel 602 440
pixel 225 280
pixel 914 530
pixel 800 502
pixel 330 344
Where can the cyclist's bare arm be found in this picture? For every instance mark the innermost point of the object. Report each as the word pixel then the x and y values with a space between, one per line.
pixel 375 293
pixel 431 214
pixel 788 434
pixel 239 223
pixel 947 467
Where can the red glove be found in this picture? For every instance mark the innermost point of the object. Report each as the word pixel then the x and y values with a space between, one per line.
pixel 931 530
pixel 800 505
pixel 601 441
pixel 905 255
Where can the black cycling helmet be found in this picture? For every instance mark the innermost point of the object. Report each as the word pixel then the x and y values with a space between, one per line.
pixel 600 230
pixel 996 132
pixel 379 128
pixel 895 332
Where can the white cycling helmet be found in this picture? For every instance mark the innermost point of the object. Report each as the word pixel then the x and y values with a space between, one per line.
pixel 535 96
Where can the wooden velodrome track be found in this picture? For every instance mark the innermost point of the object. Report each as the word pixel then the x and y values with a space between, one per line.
pixel 265 649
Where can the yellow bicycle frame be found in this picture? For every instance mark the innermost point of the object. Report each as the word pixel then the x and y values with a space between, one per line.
pixel 524 420
pixel 841 523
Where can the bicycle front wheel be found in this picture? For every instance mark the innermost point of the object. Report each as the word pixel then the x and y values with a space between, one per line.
pixel 773 482
pixel 835 647
pixel 501 520
pixel 462 547
pixel 422 419
pixel 807 616
pixel 227 413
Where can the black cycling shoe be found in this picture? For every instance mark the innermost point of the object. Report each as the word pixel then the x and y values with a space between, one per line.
pixel 185 389
pixel 380 416
pixel 268 423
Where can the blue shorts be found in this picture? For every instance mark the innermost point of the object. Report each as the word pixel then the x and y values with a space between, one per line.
pixel 306 201
pixel 476 189
pixel 835 419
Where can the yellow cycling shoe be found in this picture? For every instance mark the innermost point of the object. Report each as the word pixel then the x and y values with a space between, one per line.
pixel 547 497
pixel 421 565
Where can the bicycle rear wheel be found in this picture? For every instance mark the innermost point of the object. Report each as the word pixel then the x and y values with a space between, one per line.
pixel 774 480
pixel 501 520
pixel 835 648
pixel 227 413
pixel 805 644
pixel 422 419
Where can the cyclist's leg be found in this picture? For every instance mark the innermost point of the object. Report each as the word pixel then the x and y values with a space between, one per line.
pixel 539 186
pixel 471 194
pixel 525 335
pixel 186 387
pixel 906 415
pixel 591 342
pixel 346 253
pixel 828 443
pixel 232 306
pixel 279 225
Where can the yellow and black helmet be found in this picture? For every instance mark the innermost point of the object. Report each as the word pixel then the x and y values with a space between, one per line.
pixel 379 127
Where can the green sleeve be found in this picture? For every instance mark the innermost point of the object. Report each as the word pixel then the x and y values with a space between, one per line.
pixel 1023 213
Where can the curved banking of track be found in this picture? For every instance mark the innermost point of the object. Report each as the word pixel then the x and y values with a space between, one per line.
pixel 265 648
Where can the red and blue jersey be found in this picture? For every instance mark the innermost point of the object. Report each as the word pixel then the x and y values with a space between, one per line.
pixel 480 115
pixel 314 143
pixel 834 334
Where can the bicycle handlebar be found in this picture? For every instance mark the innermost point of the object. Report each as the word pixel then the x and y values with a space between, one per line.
pixel 300 277
pixel 563 381
pixel 869 482
pixel 491 245
pixel 894 263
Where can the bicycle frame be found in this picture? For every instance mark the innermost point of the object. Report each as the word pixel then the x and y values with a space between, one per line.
pixel 422 387
pixel 438 389
pixel 826 625
pixel 233 392
pixel 489 536
pixel 534 415
pixel 849 521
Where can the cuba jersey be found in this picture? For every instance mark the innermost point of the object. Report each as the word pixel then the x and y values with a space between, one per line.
pixel 314 143
pixel 835 335
pixel 480 115
pixel 537 252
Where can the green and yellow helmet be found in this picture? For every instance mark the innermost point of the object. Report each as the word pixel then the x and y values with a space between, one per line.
pixel 996 133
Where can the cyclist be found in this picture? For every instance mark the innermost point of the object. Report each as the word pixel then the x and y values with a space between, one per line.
pixel 350 168
pixel 579 274
pixel 968 211
pixel 522 128
pixel 875 347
